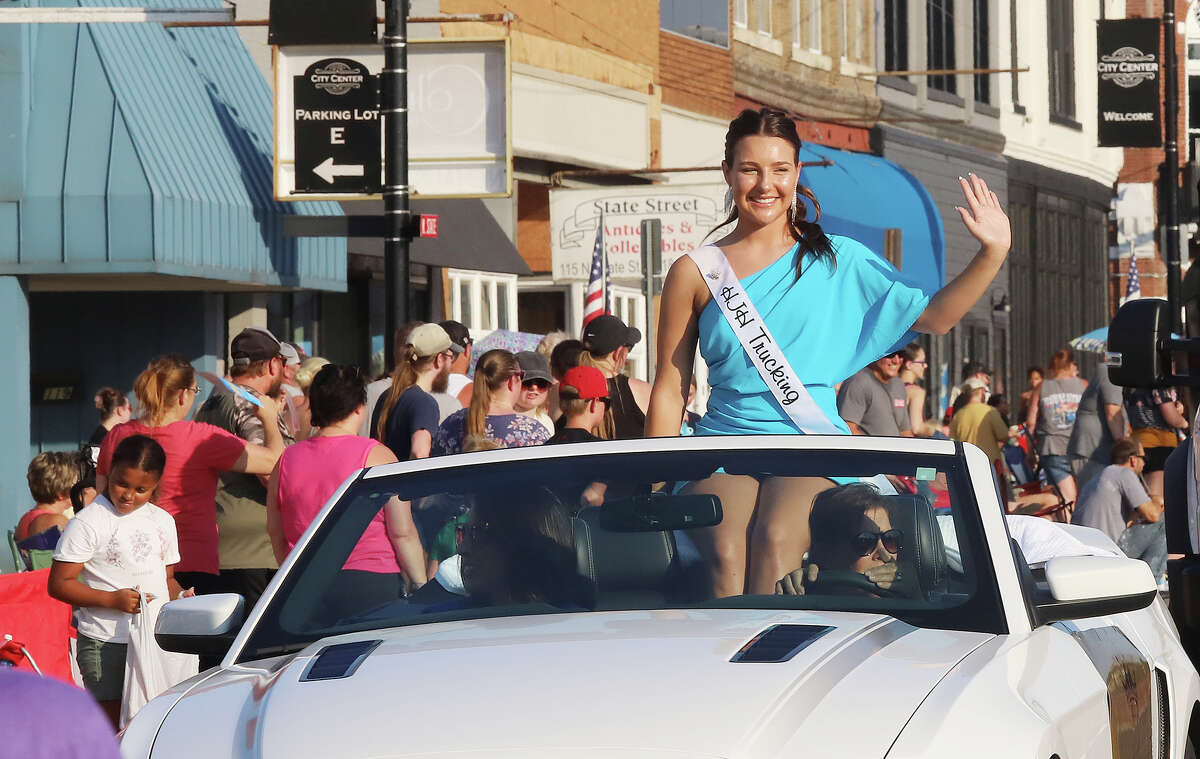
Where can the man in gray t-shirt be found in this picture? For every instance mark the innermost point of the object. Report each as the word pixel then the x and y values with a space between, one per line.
pixel 1116 503
pixel 872 402
pixel 1108 500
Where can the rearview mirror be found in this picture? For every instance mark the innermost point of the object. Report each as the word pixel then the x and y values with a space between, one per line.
pixel 200 624
pixel 1095 586
pixel 658 512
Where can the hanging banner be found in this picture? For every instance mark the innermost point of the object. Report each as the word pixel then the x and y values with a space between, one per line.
pixel 1128 70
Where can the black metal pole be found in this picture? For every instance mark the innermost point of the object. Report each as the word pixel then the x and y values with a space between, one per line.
pixel 1171 161
pixel 395 179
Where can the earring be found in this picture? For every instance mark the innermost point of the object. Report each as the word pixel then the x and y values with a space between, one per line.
pixel 729 200
pixel 796 207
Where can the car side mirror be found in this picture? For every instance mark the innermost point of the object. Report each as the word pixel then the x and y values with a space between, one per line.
pixel 1136 344
pixel 200 624
pixel 1095 586
pixel 1142 352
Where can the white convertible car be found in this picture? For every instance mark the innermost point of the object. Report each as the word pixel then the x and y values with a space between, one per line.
pixel 915 620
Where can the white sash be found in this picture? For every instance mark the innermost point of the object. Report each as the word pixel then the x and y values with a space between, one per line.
pixel 760 346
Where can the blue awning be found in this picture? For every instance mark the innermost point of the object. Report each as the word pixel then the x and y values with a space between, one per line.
pixel 862 196
pixel 146 150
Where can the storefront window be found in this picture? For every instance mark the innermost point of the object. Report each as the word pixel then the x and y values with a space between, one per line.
pixel 502 300
pixel 462 299
pixel 487 300
pixel 629 305
pixel 483 301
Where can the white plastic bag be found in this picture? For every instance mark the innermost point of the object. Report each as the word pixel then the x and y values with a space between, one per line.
pixel 149 670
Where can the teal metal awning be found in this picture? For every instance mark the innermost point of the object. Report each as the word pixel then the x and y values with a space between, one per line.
pixel 862 196
pixel 135 149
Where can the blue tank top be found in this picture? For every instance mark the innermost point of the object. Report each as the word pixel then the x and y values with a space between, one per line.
pixel 831 322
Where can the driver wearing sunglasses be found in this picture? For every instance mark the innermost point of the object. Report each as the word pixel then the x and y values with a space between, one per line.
pixel 851 532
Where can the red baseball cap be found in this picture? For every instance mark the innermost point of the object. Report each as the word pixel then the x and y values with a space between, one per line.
pixel 584 383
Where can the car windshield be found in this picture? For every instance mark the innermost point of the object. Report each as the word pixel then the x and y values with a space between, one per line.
pixel 591 528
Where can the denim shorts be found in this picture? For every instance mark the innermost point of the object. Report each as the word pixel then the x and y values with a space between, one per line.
pixel 1056 467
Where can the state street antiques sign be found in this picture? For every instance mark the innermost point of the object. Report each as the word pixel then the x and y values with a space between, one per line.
pixel 687 212
pixel 1128 95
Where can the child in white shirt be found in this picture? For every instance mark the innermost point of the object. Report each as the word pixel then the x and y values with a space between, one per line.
pixel 118 543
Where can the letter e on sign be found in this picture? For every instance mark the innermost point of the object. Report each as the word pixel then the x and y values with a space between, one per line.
pixel 429 225
pixel 337 135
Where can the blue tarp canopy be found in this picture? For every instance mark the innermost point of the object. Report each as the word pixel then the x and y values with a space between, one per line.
pixel 138 149
pixel 862 196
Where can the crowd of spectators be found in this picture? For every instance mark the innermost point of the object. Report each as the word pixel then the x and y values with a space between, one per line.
pixel 236 483
pixel 241 480
pixel 1088 452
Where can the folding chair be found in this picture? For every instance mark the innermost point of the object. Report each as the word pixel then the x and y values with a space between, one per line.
pixel 1050 505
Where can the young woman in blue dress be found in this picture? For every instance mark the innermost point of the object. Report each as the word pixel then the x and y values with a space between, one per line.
pixel 832 307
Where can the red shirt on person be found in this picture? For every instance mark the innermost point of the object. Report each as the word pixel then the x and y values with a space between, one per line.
pixel 196 454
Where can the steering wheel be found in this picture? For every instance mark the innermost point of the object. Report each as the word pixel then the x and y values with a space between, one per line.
pixel 829 579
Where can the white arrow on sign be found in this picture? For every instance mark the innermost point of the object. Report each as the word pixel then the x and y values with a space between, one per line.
pixel 327 170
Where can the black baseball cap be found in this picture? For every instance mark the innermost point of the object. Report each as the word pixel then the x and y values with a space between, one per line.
pixel 535 366
pixel 460 336
pixel 253 344
pixel 606 333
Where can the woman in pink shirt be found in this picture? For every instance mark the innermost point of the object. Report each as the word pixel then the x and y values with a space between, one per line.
pixel 310 471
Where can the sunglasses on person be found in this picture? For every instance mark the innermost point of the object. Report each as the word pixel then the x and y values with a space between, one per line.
pixel 864 542
pixel 539 384
pixel 896 354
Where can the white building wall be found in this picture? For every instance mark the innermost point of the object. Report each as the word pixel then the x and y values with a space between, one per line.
pixel 1031 136
pixel 570 119
pixel 691 139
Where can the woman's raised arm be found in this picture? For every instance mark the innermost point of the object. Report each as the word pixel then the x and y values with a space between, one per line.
pixel 987 222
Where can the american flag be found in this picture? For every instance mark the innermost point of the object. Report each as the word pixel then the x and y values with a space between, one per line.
pixel 595 298
pixel 1133 288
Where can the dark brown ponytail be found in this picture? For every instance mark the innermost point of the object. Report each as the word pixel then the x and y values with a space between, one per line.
pixel 773 123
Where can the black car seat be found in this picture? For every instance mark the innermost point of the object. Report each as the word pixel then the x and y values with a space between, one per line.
pixel 624 569
pixel 922 553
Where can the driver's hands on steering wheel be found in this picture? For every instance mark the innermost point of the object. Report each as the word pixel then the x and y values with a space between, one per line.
pixel 885 576
pixel 793 583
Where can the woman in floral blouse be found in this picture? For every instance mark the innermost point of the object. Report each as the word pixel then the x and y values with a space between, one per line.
pixel 491 415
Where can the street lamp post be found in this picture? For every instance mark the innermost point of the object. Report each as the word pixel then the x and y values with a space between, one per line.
pixel 397 229
pixel 1171 161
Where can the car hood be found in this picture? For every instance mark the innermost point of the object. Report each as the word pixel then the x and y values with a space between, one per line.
pixel 639 683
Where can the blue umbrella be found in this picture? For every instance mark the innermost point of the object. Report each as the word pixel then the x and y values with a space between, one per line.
pixel 1095 341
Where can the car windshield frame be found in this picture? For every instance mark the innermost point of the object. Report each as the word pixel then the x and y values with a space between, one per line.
pixel 982 611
